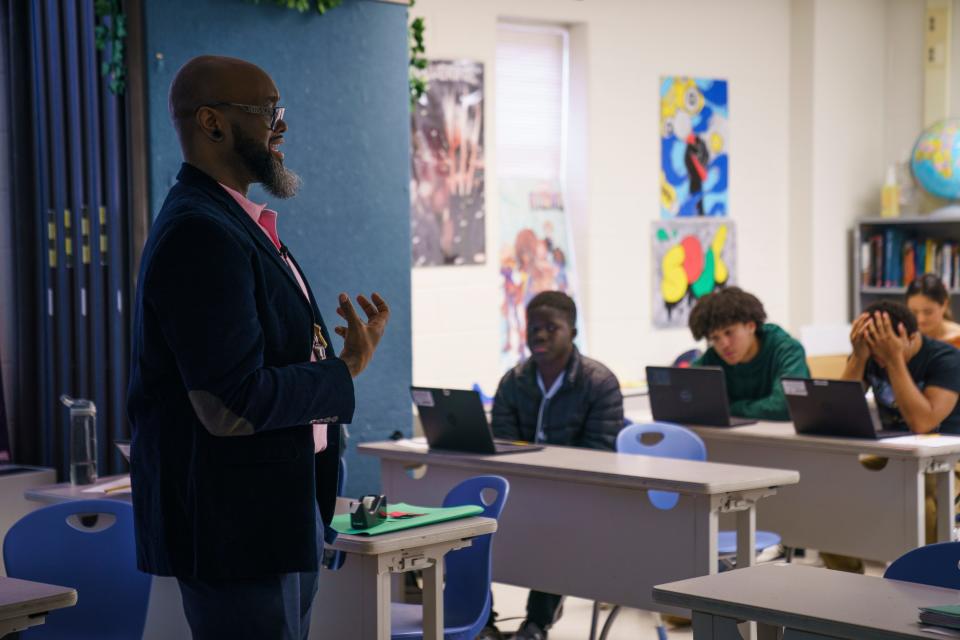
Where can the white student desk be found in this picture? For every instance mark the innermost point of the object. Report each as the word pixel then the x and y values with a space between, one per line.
pixel 353 602
pixel 840 506
pixel 809 603
pixel 25 604
pixel 578 521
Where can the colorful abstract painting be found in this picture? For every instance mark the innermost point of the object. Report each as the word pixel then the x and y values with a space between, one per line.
pixel 694 163
pixel 691 259
pixel 535 255
pixel 447 215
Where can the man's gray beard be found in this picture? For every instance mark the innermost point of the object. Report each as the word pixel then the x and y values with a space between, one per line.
pixel 269 171
pixel 282 182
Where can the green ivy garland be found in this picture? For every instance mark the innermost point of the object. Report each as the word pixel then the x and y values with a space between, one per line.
pixel 418 63
pixel 111 30
pixel 304 5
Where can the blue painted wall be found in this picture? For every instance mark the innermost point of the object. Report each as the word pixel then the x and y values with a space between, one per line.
pixel 343 79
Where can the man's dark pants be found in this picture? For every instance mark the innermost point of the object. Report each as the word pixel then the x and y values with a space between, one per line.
pixel 275 607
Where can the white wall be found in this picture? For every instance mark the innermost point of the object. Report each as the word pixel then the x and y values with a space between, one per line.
pixel 849 66
pixel 903 115
pixel 619 51
pixel 955 61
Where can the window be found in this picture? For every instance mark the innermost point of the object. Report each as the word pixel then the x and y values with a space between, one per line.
pixel 531 101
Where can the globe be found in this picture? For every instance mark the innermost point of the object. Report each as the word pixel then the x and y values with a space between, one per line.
pixel 935 160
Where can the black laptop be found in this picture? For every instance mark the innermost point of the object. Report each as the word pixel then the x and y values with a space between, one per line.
pixel 691 395
pixel 833 408
pixel 454 420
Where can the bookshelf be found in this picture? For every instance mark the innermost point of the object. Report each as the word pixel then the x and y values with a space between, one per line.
pixel 884 247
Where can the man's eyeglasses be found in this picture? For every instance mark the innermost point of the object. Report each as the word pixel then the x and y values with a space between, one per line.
pixel 275 113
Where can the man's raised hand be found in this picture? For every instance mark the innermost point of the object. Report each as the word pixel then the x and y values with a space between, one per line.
pixel 360 339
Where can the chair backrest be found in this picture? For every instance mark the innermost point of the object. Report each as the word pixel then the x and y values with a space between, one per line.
pixel 663 440
pixel 830 367
pixel 484 398
pixel 686 358
pixel 937 565
pixel 88 545
pixel 469 571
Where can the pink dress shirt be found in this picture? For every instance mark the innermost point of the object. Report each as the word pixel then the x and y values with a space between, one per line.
pixel 266 219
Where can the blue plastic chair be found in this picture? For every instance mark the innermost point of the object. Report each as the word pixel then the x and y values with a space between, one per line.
pixel 687 358
pixel 87 545
pixel 667 440
pixel 670 440
pixel 484 398
pixel 937 565
pixel 333 560
pixel 468 572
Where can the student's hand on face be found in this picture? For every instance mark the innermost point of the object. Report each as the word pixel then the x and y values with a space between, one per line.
pixel 886 343
pixel 858 336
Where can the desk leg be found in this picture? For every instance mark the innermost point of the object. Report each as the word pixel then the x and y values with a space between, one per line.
pixel 945 509
pixel 433 601
pixel 707 626
pixel 746 555
pixel 914 517
pixel 353 602
pixel 746 537
pixel 377 580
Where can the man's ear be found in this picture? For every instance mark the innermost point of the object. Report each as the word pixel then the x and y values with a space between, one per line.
pixel 210 123
pixel 573 334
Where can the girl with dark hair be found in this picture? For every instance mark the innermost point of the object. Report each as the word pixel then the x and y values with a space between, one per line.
pixel 929 301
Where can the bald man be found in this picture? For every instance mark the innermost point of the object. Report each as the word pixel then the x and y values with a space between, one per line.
pixel 236 397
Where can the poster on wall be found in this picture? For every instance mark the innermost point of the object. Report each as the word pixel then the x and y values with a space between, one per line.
pixel 694 162
pixel 536 254
pixel 691 259
pixel 447 213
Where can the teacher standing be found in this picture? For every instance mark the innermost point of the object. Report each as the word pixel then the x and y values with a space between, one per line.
pixel 236 397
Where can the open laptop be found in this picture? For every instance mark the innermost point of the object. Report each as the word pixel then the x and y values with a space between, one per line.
pixel 454 420
pixel 833 408
pixel 694 395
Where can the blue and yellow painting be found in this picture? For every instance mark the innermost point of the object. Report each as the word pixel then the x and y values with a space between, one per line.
pixel 694 164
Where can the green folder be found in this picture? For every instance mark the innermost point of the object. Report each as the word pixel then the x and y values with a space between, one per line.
pixel 430 515
pixel 947 615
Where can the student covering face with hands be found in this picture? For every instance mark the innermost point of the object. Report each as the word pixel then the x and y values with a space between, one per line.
pixel 915 380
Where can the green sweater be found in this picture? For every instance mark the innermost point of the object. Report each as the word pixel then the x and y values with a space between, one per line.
pixel 754 387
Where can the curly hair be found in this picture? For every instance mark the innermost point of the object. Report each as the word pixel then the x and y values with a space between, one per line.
pixel 899 314
pixel 558 301
pixel 723 308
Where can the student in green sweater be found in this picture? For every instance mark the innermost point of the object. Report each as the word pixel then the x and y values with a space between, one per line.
pixel 754 356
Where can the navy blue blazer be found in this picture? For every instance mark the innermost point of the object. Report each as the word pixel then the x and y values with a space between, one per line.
pixel 225 480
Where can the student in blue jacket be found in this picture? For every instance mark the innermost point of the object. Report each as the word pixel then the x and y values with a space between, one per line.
pixel 236 397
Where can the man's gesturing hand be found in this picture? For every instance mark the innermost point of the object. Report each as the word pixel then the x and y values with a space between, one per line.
pixel 360 339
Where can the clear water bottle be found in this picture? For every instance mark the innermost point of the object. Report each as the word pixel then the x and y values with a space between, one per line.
pixel 83 440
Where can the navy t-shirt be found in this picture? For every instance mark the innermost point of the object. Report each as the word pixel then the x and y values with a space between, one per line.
pixel 937 364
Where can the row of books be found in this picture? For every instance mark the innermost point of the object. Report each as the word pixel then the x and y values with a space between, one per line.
pixel 895 259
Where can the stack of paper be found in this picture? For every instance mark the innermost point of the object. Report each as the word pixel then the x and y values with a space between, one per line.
pixel 120 485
